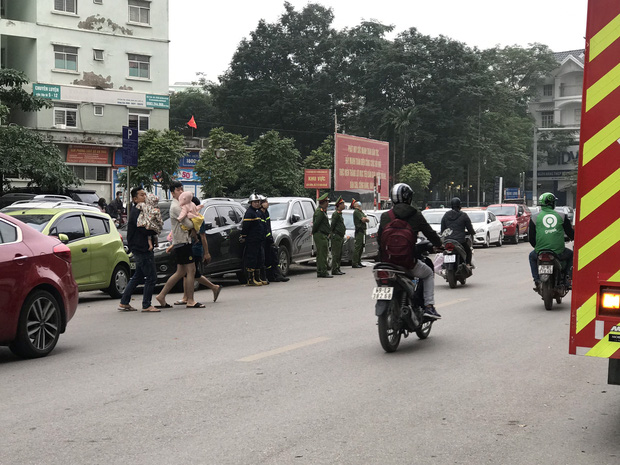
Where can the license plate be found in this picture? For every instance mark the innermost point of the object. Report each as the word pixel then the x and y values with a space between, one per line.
pixel 132 265
pixel 449 258
pixel 382 293
pixel 545 269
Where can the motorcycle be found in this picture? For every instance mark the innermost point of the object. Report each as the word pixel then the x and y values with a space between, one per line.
pixel 454 259
pixel 553 278
pixel 400 301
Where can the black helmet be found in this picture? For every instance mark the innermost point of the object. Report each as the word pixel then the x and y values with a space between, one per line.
pixel 455 203
pixel 547 200
pixel 401 193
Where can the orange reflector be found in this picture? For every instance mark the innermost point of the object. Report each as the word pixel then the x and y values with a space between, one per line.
pixel 610 300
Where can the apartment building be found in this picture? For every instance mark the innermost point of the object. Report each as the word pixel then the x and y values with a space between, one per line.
pixel 102 63
pixel 558 104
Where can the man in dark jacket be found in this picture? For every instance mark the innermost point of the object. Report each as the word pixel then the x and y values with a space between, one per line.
pixel 460 224
pixel 253 235
pixel 401 198
pixel 138 244
pixel 272 267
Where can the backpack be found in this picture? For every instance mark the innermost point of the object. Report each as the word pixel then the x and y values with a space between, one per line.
pixel 398 241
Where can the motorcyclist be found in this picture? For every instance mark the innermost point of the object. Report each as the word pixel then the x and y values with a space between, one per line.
pixel 401 196
pixel 547 229
pixel 461 226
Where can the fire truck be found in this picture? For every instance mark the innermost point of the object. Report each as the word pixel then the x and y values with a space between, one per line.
pixel 595 309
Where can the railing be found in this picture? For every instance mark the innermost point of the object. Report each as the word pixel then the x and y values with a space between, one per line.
pixel 570 91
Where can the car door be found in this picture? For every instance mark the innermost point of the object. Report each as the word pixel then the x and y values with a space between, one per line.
pixel 495 227
pixel 216 238
pixel 301 231
pixel 103 249
pixel 72 226
pixel 230 222
pixel 371 248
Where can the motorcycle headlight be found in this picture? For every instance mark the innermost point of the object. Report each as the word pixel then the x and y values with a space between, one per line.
pixel 163 246
pixel 479 231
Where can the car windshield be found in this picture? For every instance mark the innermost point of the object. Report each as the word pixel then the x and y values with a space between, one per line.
pixel 503 211
pixel 476 217
pixel 37 222
pixel 433 217
pixel 277 211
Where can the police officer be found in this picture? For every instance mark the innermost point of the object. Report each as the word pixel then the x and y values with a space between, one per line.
pixel 320 234
pixel 252 234
pixel 359 220
pixel 337 238
pixel 272 268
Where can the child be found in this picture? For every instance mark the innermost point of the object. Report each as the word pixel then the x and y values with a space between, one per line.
pixel 150 217
pixel 190 210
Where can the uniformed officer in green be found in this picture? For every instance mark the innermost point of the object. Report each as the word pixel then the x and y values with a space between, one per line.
pixel 338 230
pixel 359 220
pixel 320 233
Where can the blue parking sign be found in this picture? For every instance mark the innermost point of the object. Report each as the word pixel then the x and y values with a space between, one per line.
pixel 130 146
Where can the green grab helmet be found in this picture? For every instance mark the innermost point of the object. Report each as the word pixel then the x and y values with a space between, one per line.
pixel 547 200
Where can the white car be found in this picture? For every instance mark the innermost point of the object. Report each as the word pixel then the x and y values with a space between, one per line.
pixel 488 228
pixel 433 217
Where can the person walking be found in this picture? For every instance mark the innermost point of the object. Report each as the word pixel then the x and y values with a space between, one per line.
pixel 138 244
pixel 320 233
pixel 272 266
pixel 252 235
pixel 359 220
pixel 338 231
pixel 116 209
pixel 182 247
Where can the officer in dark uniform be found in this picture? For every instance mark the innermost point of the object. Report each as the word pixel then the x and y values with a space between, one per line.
pixel 272 268
pixel 320 233
pixel 360 220
pixel 337 239
pixel 252 234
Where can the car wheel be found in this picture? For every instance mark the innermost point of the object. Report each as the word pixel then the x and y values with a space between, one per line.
pixel 487 241
pixel 515 239
pixel 118 282
pixel 284 259
pixel 39 326
pixel 500 240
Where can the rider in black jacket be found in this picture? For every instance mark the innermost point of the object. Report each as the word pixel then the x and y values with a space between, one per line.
pixel 460 224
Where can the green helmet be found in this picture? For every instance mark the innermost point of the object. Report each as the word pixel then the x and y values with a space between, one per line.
pixel 547 200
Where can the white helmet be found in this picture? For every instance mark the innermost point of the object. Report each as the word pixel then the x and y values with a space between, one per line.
pixel 253 198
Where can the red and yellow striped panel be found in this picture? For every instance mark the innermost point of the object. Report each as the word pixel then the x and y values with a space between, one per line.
pixel 597 229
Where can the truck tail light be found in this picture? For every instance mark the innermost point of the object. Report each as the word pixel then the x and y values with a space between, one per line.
pixel 609 303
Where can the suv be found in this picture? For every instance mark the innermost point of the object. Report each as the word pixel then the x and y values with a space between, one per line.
pixel 291 225
pixel 223 218
pixel 88 196
pixel 98 259
pixel 515 219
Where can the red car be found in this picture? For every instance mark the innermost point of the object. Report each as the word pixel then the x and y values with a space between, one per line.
pixel 38 294
pixel 515 219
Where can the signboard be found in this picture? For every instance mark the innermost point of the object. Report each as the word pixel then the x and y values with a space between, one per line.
pixel 317 179
pixel 130 146
pixel 48 91
pixel 87 154
pixel 157 101
pixel 358 161
pixel 190 159
pixel 512 193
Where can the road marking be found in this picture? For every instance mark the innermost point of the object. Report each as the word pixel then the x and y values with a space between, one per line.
pixel 452 302
pixel 284 349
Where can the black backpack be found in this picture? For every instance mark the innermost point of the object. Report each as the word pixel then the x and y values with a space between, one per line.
pixel 398 241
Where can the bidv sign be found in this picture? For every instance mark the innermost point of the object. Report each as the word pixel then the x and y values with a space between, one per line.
pixel 565 159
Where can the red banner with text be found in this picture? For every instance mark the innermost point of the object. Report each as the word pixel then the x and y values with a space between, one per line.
pixel 317 179
pixel 358 161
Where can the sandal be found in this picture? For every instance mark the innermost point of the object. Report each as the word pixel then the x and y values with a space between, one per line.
pixel 216 293
pixel 180 302
pixel 126 308
pixel 196 305
pixel 151 309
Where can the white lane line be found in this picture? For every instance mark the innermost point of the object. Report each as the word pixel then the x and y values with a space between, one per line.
pixel 452 302
pixel 281 350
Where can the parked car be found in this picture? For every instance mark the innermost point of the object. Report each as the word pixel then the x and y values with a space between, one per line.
pixel 433 217
pixel 99 261
pixel 371 248
pixel 291 224
pixel 487 227
pixel 568 211
pixel 49 201
pixel 223 217
pixel 88 196
pixel 38 295
pixel 515 218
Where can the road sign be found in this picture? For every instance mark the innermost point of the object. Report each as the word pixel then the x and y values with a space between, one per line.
pixel 512 193
pixel 130 146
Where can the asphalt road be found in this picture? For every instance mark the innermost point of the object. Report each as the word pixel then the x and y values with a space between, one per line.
pixel 293 373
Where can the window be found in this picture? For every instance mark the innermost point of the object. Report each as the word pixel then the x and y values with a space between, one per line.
pixel 548 90
pixel 68 6
pixel 139 11
pixel 65 57
pixel 139 66
pixel 228 217
pixel 91 173
pixel 98 110
pixel 97 55
pixel 8 233
pixel 65 115
pixel 297 210
pixel 210 215
pixel 97 225
pixel 139 119
pixel 578 115
pixel 547 119
pixel 71 226
pixel 308 209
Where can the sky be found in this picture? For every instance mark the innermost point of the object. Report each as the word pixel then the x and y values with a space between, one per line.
pixel 204 34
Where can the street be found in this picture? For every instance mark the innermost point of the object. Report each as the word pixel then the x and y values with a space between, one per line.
pixel 293 373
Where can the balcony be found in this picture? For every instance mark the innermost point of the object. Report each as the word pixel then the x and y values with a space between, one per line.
pixel 570 91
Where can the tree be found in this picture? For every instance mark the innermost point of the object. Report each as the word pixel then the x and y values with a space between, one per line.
pixel 25 153
pixel 224 164
pixel 277 167
pixel 192 102
pixel 417 176
pixel 159 153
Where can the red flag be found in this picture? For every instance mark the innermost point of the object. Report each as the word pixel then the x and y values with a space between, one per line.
pixel 191 123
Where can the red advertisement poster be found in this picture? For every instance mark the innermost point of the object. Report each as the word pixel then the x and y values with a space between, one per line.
pixel 317 179
pixel 87 154
pixel 358 161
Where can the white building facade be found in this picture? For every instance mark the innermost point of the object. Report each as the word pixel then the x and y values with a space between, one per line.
pixel 558 104
pixel 102 63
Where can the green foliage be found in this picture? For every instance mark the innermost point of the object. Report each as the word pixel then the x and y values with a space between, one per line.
pixel 322 157
pixel 192 102
pixel 12 94
pixel 417 176
pixel 159 153
pixel 224 164
pixel 277 167
pixel 25 154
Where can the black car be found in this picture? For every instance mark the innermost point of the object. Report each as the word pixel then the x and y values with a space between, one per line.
pixel 223 218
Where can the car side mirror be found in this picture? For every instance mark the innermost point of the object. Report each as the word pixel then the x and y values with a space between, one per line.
pixel 295 219
pixel 489 221
pixel 520 214
pixel 208 226
pixel 63 238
